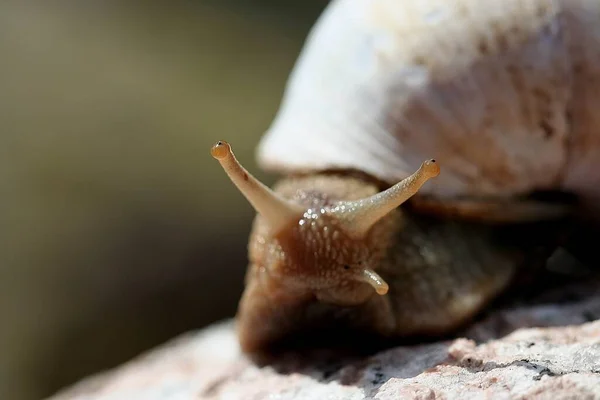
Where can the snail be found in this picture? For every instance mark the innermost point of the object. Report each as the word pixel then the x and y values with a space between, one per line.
pixel 462 110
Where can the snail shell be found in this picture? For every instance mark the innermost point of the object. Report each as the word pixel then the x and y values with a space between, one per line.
pixel 502 93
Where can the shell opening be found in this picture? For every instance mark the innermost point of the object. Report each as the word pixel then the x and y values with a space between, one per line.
pixel 277 211
pixel 360 215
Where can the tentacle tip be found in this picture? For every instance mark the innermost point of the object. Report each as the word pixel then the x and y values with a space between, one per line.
pixel 220 150
pixel 431 168
pixel 382 289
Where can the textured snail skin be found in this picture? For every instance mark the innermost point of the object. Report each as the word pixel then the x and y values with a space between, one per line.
pixel 440 273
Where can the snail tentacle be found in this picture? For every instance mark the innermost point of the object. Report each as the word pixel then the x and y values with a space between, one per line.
pixel 377 282
pixel 277 211
pixel 360 215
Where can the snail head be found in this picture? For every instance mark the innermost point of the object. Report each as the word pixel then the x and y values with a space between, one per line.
pixel 328 250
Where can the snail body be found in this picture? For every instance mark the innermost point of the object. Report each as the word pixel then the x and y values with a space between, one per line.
pixel 498 93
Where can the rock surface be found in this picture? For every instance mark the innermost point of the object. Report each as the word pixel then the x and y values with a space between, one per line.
pixel 548 350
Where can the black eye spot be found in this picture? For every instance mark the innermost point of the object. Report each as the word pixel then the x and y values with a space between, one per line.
pixel 346 267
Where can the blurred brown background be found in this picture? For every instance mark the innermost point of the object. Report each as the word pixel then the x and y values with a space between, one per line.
pixel 118 230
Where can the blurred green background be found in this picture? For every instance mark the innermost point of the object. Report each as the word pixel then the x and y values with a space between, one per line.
pixel 118 230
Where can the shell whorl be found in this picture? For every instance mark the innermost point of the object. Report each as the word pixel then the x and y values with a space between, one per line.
pixel 502 93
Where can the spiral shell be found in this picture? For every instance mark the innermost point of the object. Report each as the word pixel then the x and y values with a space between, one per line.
pixel 502 93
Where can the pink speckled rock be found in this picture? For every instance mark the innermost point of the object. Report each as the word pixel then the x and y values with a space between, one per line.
pixel 548 362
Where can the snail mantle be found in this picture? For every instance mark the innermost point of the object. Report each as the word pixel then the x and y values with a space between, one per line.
pixel 502 356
